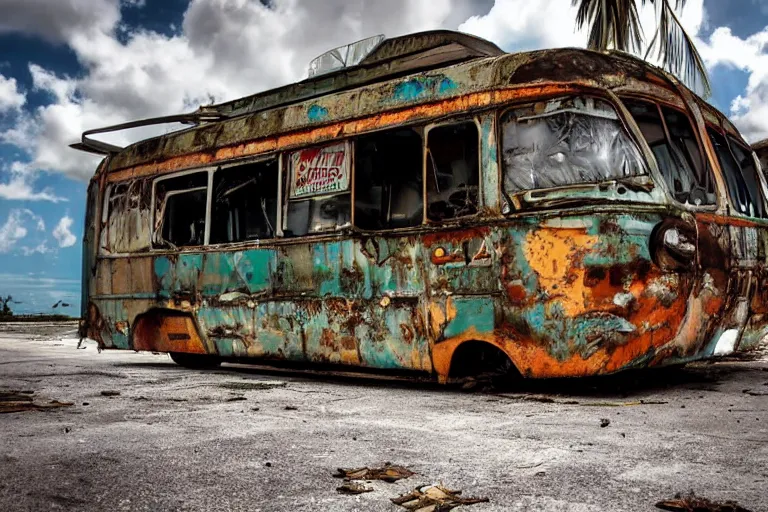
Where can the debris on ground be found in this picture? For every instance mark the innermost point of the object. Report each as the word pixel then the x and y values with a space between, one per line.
pixel 236 399
pixel 624 404
pixel 251 386
pixel 22 401
pixel 110 393
pixel 604 422
pixel 693 503
pixel 353 488
pixel 389 473
pixel 434 498
pixel 291 408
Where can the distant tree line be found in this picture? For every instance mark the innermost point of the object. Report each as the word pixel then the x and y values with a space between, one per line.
pixel 5 306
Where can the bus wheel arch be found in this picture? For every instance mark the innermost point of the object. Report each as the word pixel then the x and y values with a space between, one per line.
pixel 479 359
pixel 167 330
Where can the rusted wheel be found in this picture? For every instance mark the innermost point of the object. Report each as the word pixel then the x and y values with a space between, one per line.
pixel 195 361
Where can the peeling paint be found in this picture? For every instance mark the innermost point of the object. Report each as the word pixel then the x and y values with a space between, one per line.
pixel 568 281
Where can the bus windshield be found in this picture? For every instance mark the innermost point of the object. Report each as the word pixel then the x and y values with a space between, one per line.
pixel 566 142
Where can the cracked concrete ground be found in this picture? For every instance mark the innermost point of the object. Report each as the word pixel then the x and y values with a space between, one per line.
pixel 248 438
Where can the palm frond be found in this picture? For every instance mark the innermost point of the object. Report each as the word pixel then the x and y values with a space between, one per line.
pixel 675 48
pixel 612 24
pixel 615 24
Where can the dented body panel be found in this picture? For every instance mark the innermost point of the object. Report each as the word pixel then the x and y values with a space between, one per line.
pixel 569 281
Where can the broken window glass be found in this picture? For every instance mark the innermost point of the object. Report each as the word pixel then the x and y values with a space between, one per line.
pixel 566 142
pixel 737 187
pixel 677 152
pixel 128 225
pixel 749 171
pixel 244 203
pixel 388 180
pixel 683 137
pixel 180 206
pixel 453 171
pixel 317 215
pixel 318 183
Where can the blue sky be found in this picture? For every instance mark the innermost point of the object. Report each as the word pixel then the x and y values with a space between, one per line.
pixel 70 65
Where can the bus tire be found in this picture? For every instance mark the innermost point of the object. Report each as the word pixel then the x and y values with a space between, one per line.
pixel 195 361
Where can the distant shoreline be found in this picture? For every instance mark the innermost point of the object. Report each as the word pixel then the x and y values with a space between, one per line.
pixel 40 317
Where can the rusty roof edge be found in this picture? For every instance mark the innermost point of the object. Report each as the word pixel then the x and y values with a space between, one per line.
pixel 383 54
pixel 498 72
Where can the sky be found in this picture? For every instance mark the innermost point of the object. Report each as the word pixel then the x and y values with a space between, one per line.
pixel 71 65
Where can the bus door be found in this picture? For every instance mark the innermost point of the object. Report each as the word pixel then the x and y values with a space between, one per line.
pixel 461 262
pixel 385 265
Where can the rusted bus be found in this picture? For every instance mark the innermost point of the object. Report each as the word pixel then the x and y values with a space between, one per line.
pixel 562 212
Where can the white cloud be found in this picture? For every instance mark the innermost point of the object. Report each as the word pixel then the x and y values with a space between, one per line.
pixel 224 49
pixel 517 25
pixel 16 229
pixel 62 233
pixel 39 222
pixel 13 230
pixel 19 185
pixel 10 97
pixel 41 248
pixel 749 111
pixel 56 21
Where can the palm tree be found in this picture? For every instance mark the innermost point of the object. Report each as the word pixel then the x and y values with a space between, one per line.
pixel 615 24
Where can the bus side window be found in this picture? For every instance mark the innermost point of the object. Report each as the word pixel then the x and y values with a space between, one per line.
pixel 737 187
pixel 244 203
pixel 180 206
pixel 388 180
pixel 453 171
pixel 128 217
pixel 749 172
pixel 683 139
pixel 318 190
pixel 674 145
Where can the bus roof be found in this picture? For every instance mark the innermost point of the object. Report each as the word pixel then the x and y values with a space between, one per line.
pixel 399 73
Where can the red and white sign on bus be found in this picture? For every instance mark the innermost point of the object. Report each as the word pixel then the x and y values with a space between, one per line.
pixel 317 171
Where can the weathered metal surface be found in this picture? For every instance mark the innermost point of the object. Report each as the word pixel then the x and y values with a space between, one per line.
pixel 566 282
pixel 498 77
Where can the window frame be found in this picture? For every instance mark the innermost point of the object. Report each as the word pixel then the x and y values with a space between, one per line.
pixel 277 158
pixel 453 121
pixel 421 129
pixel 285 185
pixel 513 202
pixel 702 149
pixel 209 172
pixel 762 191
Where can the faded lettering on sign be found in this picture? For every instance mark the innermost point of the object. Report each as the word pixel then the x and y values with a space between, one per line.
pixel 322 170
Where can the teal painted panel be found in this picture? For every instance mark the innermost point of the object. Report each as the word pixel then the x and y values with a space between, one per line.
pixel 489 162
pixel 219 275
pixel 278 328
pixel 188 270
pixel 231 348
pixel 476 313
pixel 165 274
pixel 254 269
pixel 391 337
pixel 112 312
